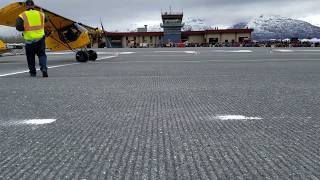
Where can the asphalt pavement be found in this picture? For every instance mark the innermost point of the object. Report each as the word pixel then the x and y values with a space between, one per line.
pixel 189 113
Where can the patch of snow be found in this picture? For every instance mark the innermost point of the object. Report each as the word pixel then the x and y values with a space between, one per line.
pixel 196 24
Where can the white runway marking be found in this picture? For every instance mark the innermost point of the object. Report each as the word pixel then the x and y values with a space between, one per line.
pixel 115 53
pixel 185 52
pixel 27 122
pixel 169 51
pixel 107 57
pixel 38 121
pixel 236 117
pixel 60 53
pixel 263 60
pixel 14 73
pixel 51 67
pixel 282 50
pixel 309 50
pixel 190 52
pixel 233 51
pixel 125 53
pixel 105 53
pixel 99 53
pixel 122 62
pixel 166 55
pixel 218 61
pixel 295 50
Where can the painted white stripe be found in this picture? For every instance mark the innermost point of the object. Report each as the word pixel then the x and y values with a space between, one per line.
pixel 123 62
pixel 125 53
pixel 262 60
pixel 107 57
pixel 51 67
pixel 115 53
pixel 169 51
pixel 38 121
pixel 99 53
pixel 309 50
pixel 60 53
pixel 166 55
pixel 14 73
pixel 207 61
pixel 237 117
pixel 105 53
pixel 282 50
pixel 190 52
pixel 7 54
pixel 295 50
pixel 27 122
pixel 233 51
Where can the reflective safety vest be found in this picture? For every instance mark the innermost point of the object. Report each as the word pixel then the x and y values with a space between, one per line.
pixel 33 25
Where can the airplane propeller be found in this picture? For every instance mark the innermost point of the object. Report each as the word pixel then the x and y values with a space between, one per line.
pixel 105 36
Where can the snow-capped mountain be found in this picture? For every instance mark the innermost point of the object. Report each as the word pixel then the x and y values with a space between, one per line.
pixel 277 27
pixel 195 24
pixel 155 28
pixel 191 24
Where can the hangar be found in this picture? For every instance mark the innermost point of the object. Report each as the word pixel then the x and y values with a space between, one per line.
pixel 198 38
pixel 172 35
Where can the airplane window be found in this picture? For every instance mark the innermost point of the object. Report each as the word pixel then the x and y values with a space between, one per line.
pixel 71 33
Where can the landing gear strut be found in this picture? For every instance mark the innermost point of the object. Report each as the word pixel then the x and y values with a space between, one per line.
pixel 84 56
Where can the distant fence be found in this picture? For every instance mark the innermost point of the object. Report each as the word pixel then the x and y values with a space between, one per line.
pixel 14 52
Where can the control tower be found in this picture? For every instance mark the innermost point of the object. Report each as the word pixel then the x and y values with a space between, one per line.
pixel 172 24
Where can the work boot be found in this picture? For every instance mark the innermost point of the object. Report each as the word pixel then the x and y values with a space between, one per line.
pixel 45 74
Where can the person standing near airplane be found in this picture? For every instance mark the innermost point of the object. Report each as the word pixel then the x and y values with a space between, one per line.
pixel 31 23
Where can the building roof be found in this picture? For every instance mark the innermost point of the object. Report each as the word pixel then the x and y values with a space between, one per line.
pixel 230 31
pixel 217 31
pixel 134 33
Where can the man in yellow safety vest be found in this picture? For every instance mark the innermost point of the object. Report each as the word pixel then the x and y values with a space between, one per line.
pixel 31 23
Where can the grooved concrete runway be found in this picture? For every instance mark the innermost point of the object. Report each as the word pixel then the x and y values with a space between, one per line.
pixel 157 115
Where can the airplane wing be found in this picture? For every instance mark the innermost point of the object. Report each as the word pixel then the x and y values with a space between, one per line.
pixel 58 28
pixel 2 45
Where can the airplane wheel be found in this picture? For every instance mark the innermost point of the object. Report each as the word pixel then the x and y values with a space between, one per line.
pixel 92 55
pixel 82 56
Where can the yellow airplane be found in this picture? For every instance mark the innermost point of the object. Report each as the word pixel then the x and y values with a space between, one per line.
pixel 61 33
pixel 3 48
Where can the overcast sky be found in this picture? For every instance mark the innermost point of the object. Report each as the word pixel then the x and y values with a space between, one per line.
pixel 127 14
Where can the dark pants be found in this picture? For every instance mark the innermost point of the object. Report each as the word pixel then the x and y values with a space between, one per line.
pixel 37 48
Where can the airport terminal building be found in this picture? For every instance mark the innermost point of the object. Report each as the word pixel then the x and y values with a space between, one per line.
pixel 172 35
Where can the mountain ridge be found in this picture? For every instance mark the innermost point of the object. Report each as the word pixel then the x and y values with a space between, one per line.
pixel 278 27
